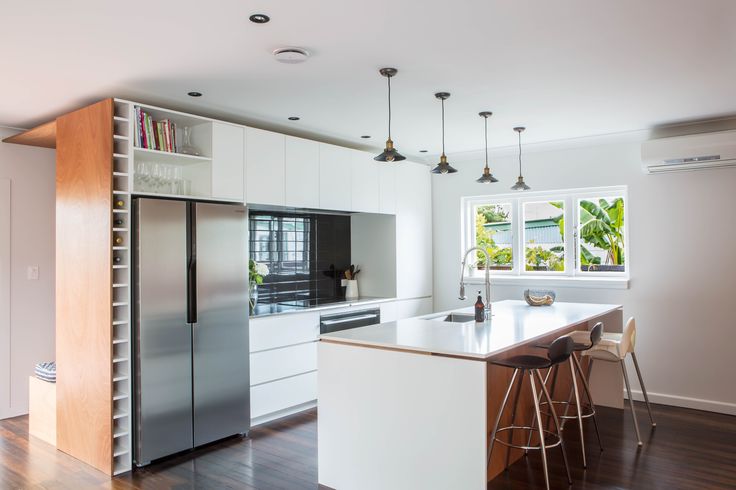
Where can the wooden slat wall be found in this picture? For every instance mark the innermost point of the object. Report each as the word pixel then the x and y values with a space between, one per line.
pixel 83 284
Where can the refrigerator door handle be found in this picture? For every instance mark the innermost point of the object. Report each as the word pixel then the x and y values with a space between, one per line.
pixel 191 264
pixel 192 290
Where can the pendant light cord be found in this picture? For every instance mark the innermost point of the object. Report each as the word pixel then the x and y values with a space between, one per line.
pixel 389 107
pixel 443 126
pixel 519 153
pixel 485 123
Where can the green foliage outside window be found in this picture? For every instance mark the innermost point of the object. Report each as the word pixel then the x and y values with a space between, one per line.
pixel 501 257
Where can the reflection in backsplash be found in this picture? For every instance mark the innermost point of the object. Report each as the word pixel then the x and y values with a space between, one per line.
pixel 303 253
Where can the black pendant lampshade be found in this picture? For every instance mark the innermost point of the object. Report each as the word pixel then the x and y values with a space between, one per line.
pixel 520 184
pixel 389 154
pixel 443 167
pixel 487 177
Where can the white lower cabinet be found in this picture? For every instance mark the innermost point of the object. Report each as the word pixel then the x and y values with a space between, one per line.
pixel 282 331
pixel 275 364
pixel 278 397
pixel 283 356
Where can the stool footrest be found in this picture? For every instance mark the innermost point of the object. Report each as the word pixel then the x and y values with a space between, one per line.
pixel 587 412
pixel 534 430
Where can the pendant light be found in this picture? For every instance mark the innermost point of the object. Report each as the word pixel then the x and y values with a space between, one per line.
pixel 487 176
pixel 520 184
pixel 389 154
pixel 443 167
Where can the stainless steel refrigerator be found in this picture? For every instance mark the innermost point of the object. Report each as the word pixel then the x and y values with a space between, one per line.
pixel 191 325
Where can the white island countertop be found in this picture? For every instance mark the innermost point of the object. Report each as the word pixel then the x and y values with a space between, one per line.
pixel 513 323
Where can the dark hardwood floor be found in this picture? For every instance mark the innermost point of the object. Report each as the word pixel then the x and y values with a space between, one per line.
pixel 688 450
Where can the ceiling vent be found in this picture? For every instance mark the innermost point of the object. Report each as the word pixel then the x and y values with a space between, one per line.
pixel 691 152
pixel 291 55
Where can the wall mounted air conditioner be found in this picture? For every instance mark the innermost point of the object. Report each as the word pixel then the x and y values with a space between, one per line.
pixel 691 152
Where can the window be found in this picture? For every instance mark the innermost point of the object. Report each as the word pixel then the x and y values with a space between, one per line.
pixel 566 234
pixel 544 236
pixel 600 228
pixel 493 234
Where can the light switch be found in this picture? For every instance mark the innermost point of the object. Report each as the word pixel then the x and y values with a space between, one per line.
pixel 32 272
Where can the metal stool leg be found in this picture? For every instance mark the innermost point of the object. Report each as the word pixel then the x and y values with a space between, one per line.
pixel 498 417
pixel 576 392
pixel 541 429
pixel 534 421
pixel 558 427
pixel 631 402
pixel 513 419
pixel 586 387
pixel 643 389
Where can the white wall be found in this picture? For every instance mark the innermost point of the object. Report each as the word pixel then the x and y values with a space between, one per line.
pixel 682 258
pixel 31 172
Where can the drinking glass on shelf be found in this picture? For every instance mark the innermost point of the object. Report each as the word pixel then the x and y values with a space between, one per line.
pixel 157 176
pixel 142 176
pixel 178 179
pixel 169 180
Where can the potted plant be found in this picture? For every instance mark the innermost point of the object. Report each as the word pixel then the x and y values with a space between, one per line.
pixel 256 273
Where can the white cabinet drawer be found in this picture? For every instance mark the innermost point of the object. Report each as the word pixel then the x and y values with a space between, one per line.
pixel 279 363
pixel 282 331
pixel 280 395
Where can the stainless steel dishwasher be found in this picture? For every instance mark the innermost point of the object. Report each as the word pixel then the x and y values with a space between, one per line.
pixel 353 319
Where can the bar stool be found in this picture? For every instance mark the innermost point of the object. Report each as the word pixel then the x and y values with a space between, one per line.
pixel 614 347
pixel 558 351
pixel 583 341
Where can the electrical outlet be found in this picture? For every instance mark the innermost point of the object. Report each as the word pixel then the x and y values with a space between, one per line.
pixel 32 272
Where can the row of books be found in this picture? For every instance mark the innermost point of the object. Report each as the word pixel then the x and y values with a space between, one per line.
pixel 154 135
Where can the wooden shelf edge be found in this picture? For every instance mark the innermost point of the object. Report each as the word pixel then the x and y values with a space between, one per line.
pixel 43 136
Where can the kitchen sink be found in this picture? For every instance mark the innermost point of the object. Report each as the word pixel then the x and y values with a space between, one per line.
pixel 454 317
pixel 459 318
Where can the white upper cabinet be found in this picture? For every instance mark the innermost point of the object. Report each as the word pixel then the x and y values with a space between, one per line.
pixel 301 183
pixel 387 187
pixel 227 161
pixel 264 167
pixel 365 183
pixel 334 177
pixel 413 231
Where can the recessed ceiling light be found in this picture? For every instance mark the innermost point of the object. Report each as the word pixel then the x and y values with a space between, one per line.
pixel 293 118
pixel 259 18
pixel 365 136
pixel 194 94
pixel 422 151
pixel 291 55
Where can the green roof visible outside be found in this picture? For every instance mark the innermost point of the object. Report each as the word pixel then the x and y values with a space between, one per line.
pixel 533 223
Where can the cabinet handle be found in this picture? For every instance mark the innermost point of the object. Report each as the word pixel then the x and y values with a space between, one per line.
pixel 348 320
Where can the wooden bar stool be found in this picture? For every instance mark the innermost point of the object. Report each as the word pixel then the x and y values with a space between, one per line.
pixel 583 341
pixel 558 351
pixel 613 347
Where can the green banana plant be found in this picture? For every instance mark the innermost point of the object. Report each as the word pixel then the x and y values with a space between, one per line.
pixel 601 226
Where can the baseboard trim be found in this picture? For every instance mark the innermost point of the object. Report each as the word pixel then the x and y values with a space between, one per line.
pixel 282 413
pixel 686 402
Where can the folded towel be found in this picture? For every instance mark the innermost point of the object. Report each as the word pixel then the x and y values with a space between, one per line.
pixel 46 371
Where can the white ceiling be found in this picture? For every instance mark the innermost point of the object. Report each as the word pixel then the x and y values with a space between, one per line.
pixel 566 68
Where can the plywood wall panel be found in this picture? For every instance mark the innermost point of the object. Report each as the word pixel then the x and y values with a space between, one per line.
pixel 83 284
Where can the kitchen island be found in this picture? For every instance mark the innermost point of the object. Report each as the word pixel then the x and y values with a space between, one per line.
pixel 409 404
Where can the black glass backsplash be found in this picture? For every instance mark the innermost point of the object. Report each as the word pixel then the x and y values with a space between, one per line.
pixel 305 254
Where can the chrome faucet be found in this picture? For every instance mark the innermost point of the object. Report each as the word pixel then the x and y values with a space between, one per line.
pixel 488 279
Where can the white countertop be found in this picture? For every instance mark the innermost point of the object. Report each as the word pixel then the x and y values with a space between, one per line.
pixel 513 323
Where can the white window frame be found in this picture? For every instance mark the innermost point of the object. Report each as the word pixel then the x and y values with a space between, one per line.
pixel 571 276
